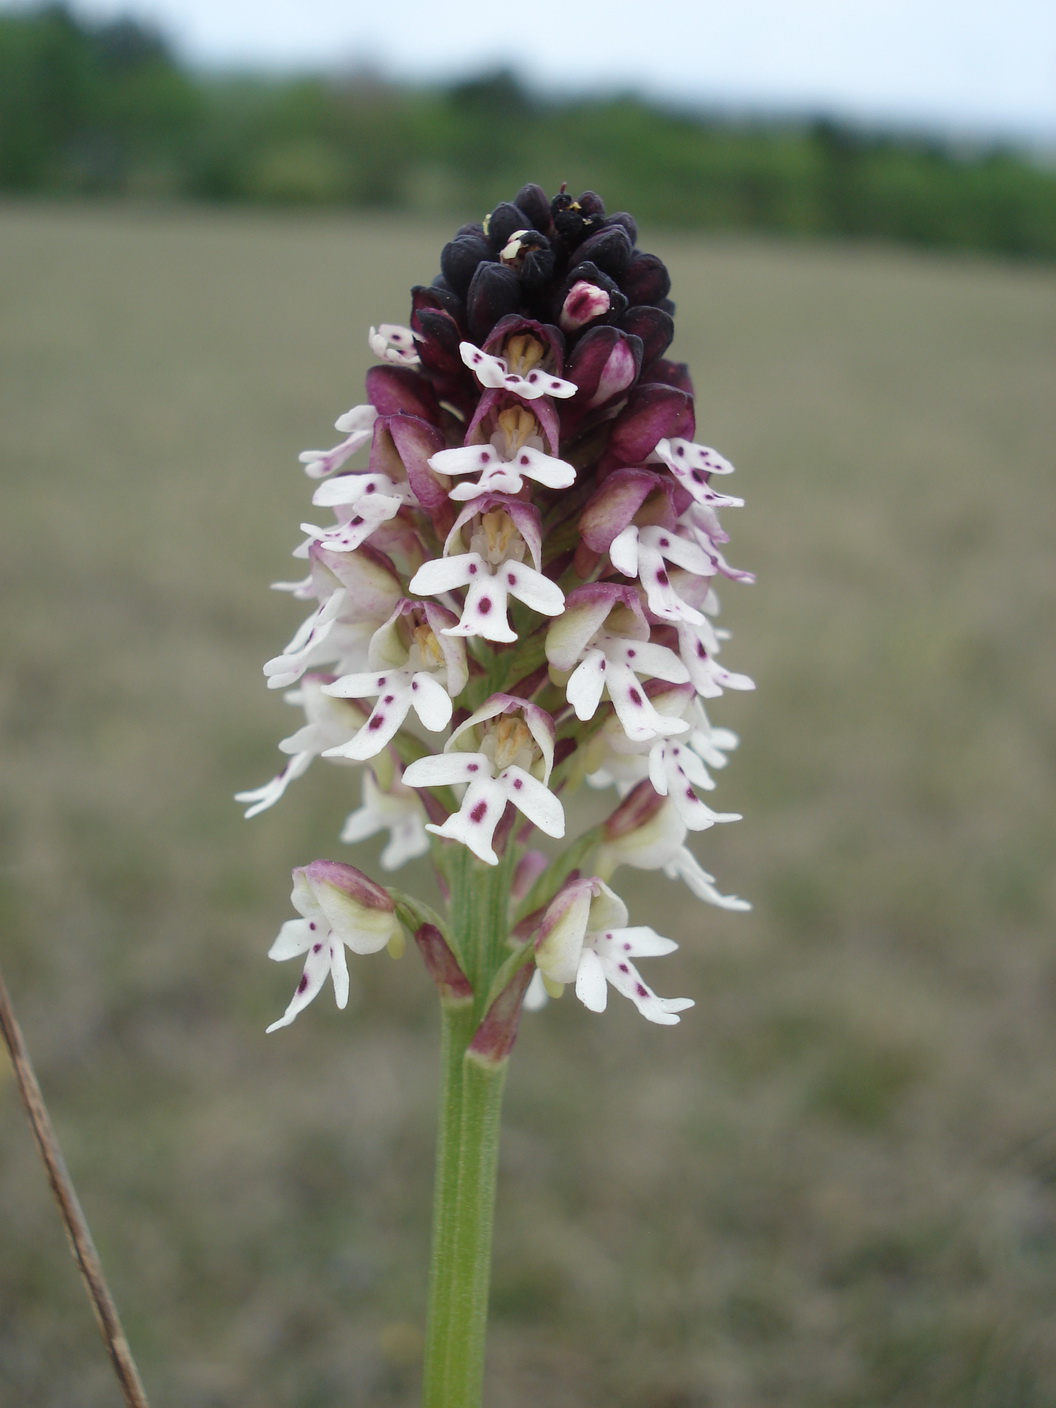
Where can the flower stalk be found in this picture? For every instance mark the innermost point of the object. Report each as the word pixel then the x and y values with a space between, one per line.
pixel 516 598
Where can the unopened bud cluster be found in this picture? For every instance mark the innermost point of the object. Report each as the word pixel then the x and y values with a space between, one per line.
pixel 515 596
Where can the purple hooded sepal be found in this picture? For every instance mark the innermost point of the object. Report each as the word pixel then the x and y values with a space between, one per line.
pixel 645 280
pixel 618 501
pixel 498 1031
pixel 493 403
pixel 526 519
pixel 493 295
pixel 393 389
pixel 637 810
pixel 674 374
pixel 513 325
pixel 654 412
pixel 587 608
pixel 442 965
pixel 414 442
pixel 604 365
pixel 656 329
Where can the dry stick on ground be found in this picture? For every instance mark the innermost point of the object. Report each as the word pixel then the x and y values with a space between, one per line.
pixel 73 1219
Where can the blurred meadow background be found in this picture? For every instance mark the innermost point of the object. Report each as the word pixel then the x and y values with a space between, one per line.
pixel 834 1184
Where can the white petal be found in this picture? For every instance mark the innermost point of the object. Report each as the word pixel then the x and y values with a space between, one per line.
pixel 407 841
pixel 680 551
pixel 682 455
pixel 474 824
pixel 316 967
pixel 591 987
pixel 623 551
pixel 532 588
pixel 380 728
pixel 536 995
pixel 626 979
pixel 544 469
pixel 685 866
pixel 465 459
pixel 446 769
pixel 534 799
pixel 264 797
pixel 640 719
pixel 586 684
pixel 339 973
pixel 539 383
pixel 295 937
pixel 655 661
pixel 363 684
pixel 484 609
pixel 430 701
pixel 360 419
pixel 641 942
pixel 443 574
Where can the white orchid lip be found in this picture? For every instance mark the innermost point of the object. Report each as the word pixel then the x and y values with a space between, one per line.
pixel 393 343
pixel 584 938
pixel 339 907
pixel 494 373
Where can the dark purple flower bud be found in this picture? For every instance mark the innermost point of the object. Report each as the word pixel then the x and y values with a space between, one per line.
pixel 439 297
pixel 584 303
pixel 391 389
pixel 645 279
pixel 575 219
pixel 627 221
pixel 534 202
pixel 604 364
pixel 655 327
pixel 653 413
pixel 415 442
pixel 592 205
pixel 616 503
pixel 494 292
pixel 672 374
pixel 505 220
pixel 590 307
pixel 610 249
pixel 460 260
pixel 438 342
pixel 530 256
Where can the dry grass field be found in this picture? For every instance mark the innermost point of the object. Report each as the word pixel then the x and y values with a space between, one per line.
pixel 834 1184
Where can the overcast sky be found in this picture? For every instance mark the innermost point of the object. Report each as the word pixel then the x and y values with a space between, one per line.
pixel 974 66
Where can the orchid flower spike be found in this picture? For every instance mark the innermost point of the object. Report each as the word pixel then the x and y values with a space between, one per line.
pixel 516 595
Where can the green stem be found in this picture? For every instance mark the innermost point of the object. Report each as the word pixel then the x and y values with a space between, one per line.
pixel 467 1148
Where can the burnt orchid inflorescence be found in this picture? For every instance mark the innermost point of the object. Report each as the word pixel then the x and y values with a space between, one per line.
pixel 515 597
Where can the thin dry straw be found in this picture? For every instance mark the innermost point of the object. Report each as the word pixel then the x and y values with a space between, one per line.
pixel 73 1219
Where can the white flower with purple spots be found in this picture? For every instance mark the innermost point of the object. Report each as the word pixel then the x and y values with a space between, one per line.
pixel 602 638
pixel 645 552
pixel 362 503
pixel 329 722
pixel 397 810
pixel 584 939
pixel 499 474
pixel 493 569
pixel 512 766
pixel 393 343
pixel 357 425
pixel 529 384
pixel 339 907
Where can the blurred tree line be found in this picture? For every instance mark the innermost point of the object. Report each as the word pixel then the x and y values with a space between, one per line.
pixel 107 109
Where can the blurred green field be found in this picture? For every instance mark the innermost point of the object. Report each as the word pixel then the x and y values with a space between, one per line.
pixel 834 1184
